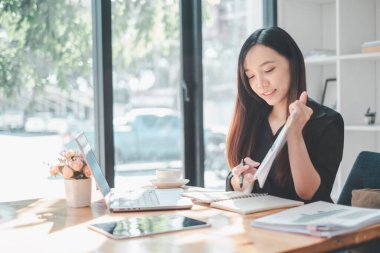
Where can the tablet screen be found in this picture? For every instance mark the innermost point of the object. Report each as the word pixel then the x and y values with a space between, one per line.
pixel 142 226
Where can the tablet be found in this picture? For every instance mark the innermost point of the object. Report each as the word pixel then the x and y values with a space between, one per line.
pixel 132 227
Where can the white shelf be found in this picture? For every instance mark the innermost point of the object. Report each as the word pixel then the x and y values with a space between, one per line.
pixel 319 1
pixel 362 128
pixel 342 26
pixel 320 60
pixel 361 56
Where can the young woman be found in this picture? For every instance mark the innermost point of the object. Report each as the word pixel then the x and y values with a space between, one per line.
pixel 272 83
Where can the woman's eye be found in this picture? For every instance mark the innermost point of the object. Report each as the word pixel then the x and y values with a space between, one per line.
pixel 250 77
pixel 269 70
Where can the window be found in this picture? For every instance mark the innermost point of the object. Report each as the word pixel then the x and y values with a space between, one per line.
pixel 226 24
pixel 146 51
pixel 46 90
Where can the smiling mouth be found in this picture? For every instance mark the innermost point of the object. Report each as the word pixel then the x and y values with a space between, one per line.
pixel 268 93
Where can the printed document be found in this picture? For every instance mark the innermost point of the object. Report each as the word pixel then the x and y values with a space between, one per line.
pixel 320 219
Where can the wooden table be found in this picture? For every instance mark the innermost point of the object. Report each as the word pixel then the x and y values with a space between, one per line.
pixel 47 225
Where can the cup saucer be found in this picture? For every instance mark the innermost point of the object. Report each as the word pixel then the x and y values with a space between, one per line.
pixel 160 183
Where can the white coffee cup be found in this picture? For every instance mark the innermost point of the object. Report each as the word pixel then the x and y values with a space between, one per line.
pixel 168 174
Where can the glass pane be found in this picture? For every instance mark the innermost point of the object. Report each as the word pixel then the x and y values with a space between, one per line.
pixel 147 122
pixel 46 90
pixel 226 25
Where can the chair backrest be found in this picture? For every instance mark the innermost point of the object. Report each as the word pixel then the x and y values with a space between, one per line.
pixel 365 173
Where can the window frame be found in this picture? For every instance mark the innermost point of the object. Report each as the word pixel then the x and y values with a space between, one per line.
pixel 191 86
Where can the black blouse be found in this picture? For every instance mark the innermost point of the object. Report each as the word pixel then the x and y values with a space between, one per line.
pixel 323 135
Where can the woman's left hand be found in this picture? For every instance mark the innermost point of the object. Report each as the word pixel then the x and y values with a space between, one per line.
pixel 303 114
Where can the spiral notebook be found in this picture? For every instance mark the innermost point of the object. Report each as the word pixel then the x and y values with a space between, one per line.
pixel 240 202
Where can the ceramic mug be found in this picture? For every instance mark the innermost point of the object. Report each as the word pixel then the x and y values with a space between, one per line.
pixel 168 174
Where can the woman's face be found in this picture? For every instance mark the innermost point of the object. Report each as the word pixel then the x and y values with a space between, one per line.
pixel 268 73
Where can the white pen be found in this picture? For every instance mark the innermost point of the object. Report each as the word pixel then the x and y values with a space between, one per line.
pixel 241 177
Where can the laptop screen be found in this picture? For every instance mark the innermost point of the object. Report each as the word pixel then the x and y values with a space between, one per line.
pixel 92 163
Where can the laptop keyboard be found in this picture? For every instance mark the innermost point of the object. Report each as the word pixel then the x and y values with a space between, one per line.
pixel 145 198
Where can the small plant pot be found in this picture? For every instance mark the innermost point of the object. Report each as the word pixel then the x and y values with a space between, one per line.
pixel 369 118
pixel 78 192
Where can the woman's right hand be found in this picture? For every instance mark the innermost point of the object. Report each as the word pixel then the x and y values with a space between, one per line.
pixel 248 170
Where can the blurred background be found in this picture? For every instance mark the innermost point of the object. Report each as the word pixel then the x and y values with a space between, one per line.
pixel 47 90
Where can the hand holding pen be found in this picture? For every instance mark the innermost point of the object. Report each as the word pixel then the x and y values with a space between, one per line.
pixel 241 177
pixel 243 174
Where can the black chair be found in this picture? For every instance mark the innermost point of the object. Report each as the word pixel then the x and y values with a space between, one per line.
pixel 364 174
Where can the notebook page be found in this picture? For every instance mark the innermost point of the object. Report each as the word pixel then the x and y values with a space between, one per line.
pixel 255 204
pixel 208 197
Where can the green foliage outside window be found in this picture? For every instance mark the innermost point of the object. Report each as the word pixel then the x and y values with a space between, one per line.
pixel 47 44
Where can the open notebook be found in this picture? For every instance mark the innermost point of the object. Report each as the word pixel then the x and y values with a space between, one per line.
pixel 240 202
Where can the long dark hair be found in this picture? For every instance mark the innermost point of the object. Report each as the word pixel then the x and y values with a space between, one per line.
pixel 250 110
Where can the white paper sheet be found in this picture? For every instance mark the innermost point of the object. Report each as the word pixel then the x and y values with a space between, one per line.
pixel 265 166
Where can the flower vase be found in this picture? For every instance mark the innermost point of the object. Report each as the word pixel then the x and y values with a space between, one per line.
pixel 78 192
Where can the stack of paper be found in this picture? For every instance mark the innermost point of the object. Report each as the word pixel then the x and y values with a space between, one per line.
pixel 321 219
pixel 371 46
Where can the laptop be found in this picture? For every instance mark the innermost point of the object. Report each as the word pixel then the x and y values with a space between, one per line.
pixel 133 200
